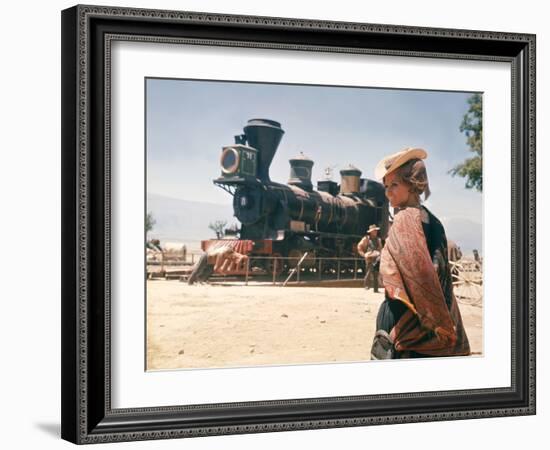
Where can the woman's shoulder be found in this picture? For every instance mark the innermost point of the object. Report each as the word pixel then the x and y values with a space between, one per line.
pixel 407 217
pixel 408 213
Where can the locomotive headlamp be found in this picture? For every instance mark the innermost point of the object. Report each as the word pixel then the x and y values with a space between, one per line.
pixel 230 160
pixel 238 161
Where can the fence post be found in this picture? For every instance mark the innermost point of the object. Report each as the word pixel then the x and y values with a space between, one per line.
pixel 294 271
pixel 320 268
pixel 338 274
pixel 274 269
pixel 355 268
pixel 246 274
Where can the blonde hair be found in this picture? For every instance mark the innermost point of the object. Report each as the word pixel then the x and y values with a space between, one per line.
pixel 414 173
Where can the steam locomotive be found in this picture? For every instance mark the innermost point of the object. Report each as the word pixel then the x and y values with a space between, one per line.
pixel 290 220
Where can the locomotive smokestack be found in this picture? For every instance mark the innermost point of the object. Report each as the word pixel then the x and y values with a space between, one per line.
pixel 265 136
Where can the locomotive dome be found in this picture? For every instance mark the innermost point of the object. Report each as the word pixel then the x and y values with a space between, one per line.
pixel 300 172
pixel 351 180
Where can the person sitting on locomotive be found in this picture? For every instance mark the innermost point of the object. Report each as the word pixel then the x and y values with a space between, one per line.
pixel 369 248
pixel 419 316
pixel 223 259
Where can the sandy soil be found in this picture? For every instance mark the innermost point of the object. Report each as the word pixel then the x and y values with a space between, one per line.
pixel 229 326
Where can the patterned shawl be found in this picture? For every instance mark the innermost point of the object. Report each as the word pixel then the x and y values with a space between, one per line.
pixel 428 326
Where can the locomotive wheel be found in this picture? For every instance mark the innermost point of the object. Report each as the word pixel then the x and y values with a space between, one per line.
pixel 296 255
pixel 275 263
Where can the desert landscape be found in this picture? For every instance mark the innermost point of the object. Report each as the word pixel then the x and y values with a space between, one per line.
pixel 231 325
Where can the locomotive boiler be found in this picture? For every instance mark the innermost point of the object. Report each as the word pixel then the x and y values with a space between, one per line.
pixel 288 220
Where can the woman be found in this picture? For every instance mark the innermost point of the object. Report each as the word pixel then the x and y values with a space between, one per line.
pixel 419 316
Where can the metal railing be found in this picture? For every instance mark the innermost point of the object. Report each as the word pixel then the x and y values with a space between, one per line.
pixel 309 269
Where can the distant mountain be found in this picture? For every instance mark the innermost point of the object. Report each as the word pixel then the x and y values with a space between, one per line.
pixel 466 233
pixel 184 220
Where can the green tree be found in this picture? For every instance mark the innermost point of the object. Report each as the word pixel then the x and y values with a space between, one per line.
pixel 471 126
pixel 218 227
pixel 149 222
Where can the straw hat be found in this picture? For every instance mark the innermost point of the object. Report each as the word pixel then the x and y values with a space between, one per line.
pixel 392 162
pixel 373 228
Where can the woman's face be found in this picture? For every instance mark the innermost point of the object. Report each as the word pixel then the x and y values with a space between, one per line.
pixel 396 190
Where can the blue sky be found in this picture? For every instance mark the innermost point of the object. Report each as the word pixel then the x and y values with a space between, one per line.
pixel 188 123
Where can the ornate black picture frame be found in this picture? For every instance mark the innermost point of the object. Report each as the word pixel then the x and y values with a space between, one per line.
pixel 87 34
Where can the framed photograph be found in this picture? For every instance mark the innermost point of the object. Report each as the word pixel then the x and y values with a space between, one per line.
pixel 281 224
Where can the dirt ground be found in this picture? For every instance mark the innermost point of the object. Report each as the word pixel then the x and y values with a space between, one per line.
pixel 205 326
